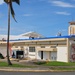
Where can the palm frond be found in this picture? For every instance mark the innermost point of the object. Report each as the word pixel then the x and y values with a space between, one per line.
pixel 6 1
pixel 12 11
pixel 11 7
pixel 17 1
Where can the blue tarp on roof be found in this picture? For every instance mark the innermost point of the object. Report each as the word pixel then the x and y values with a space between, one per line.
pixel 68 36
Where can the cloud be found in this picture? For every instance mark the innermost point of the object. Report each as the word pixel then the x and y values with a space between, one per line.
pixel 61 4
pixel 1 2
pixel 63 13
pixel 27 15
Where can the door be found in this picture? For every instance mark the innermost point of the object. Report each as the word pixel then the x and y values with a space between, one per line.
pixel 41 54
pixel 53 56
pixel 20 54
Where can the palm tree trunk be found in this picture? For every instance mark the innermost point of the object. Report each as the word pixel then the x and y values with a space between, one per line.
pixel 9 62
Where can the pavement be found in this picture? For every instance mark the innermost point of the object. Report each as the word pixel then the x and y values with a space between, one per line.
pixel 35 68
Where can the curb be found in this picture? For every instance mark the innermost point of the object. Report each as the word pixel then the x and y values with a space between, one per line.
pixel 11 70
pixel 14 70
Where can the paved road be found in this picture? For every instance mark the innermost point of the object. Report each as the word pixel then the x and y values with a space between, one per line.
pixel 37 73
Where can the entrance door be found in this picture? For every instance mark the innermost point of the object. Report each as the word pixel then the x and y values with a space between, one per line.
pixel 20 54
pixel 53 56
pixel 41 54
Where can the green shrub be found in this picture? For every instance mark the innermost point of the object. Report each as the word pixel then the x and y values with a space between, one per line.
pixel 40 62
pixel 1 56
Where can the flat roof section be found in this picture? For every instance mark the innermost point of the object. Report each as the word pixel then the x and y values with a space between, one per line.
pixel 54 37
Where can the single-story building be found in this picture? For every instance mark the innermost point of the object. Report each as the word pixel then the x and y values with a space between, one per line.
pixel 58 48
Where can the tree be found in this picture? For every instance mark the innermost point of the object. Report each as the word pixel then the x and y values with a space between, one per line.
pixel 10 9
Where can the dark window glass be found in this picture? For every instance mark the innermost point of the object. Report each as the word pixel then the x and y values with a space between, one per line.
pixel 31 49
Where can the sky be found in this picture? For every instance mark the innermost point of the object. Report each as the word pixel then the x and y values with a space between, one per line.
pixel 47 17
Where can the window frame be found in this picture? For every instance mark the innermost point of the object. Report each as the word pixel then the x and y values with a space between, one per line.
pixel 31 49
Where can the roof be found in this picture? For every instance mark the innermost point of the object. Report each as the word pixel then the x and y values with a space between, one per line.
pixel 54 37
pixel 32 34
pixel 67 36
pixel 13 37
pixel 23 36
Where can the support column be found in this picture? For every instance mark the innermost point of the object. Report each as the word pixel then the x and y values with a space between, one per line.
pixel 68 50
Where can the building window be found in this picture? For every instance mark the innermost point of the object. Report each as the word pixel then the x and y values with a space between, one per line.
pixel 53 46
pixel 16 46
pixel 42 46
pixel 31 49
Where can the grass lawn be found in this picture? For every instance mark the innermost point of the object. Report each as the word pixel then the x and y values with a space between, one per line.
pixel 58 65
pixel 5 64
pixel 54 63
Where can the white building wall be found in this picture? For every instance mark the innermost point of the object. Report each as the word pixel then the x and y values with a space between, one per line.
pixel 26 51
pixel 3 51
pixel 32 55
pixel 62 54
pixel 38 55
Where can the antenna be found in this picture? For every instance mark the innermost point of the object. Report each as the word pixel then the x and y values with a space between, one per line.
pixel 59 33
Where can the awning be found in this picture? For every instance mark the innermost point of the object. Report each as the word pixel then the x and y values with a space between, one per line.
pixel 47 49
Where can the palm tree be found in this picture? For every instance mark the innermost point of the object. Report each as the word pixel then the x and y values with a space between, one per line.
pixel 10 9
